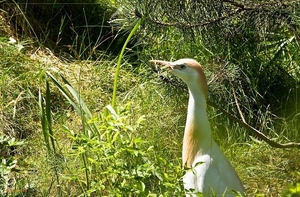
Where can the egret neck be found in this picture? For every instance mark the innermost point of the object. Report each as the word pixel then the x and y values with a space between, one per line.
pixel 197 136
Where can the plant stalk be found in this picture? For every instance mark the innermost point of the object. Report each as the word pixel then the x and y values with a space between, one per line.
pixel 135 28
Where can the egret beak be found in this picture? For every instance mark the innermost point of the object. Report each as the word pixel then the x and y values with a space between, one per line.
pixel 165 64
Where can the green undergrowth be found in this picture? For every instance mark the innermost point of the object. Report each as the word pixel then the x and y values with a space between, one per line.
pixel 106 154
pixel 62 138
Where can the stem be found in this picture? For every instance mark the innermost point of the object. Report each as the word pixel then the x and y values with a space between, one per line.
pixel 135 28
pixel 86 172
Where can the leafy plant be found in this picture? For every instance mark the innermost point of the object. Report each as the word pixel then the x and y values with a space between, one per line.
pixel 294 190
pixel 109 157
pixel 8 162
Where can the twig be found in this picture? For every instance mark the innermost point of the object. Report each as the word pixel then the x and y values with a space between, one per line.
pixel 238 106
pixel 253 130
pixel 263 6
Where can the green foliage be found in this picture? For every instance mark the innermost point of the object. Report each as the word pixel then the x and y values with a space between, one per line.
pixel 109 157
pixel 293 191
pixel 8 162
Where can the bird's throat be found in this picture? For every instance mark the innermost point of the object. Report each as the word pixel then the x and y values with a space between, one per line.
pixel 197 135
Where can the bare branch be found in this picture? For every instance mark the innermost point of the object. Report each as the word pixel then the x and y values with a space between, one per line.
pixel 253 130
pixel 264 6
pixel 238 105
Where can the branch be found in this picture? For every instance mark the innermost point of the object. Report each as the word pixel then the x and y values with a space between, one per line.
pixel 269 6
pixel 253 130
pixel 198 24
pixel 239 8
pixel 237 105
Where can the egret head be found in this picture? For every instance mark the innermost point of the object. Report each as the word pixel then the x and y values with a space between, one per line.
pixel 189 70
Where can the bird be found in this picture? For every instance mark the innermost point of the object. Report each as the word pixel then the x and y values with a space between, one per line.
pixel 207 170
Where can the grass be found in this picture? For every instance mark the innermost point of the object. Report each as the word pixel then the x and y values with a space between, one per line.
pixel 143 134
pixel 60 136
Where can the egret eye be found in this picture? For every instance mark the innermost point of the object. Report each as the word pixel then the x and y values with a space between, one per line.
pixel 182 67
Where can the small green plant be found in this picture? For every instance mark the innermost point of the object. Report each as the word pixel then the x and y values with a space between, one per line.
pixel 294 190
pixel 8 162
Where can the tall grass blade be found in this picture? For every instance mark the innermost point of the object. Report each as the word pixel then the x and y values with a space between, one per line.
pixel 48 116
pixel 77 102
pixel 84 112
pixel 44 123
pixel 64 92
pixel 25 18
pixel 81 103
pixel 135 28
pixel 80 107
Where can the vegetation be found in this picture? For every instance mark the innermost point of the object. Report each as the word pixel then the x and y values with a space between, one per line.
pixel 67 128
